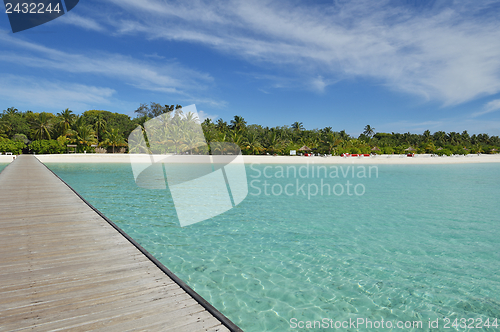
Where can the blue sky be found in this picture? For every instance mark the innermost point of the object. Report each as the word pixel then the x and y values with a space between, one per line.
pixel 398 66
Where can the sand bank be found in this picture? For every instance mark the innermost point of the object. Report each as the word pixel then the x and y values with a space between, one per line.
pixel 381 159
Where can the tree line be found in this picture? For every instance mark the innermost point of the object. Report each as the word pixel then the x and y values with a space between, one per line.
pixel 104 131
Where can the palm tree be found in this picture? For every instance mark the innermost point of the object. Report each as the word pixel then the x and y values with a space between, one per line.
pixel 238 123
pixel 465 136
pixel 210 135
pixel 11 110
pixel 5 128
pixel 137 140
pixel 208 123
pixel 483 138
pixel 252 143
pixel 427 135
pixel 313 142
pixel 298 126
pixel 193 138
pixel 64 121
pixel 331 141
pixel 99 125
pixel 85 135
pixel 274 142
pixel 196 144
pixel 369 131
pixel 114 138
pixel 439 137
pixel 430 147
pixel 191 118
pixel 326 130
pixel 343 135
pixel 221 125
pixel 237 139
pixel 41 126
pixel 454 137
pixel 176 139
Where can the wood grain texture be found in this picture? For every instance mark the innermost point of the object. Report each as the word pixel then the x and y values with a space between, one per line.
pixel 64 268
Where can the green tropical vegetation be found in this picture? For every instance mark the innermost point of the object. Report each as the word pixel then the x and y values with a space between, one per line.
pixel 104 131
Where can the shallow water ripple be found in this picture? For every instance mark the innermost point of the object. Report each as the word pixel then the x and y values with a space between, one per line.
pixel 422 243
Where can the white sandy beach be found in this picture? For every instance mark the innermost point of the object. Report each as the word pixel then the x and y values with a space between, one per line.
pixel 380 159
pixel 6 159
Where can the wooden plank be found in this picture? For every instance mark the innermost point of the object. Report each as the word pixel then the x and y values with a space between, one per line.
pixel 63 267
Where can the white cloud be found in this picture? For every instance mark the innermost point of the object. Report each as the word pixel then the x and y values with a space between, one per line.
pixel 203 116
pixel 80 21
pixel 492 106
pixel 155 56
pixel 444 53
pixel 34 93
pixel 319 84
pixel 166 76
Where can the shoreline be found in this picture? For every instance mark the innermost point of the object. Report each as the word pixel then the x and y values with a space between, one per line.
pixel 248 159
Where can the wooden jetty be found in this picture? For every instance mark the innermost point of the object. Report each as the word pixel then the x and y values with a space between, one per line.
pixel 65 267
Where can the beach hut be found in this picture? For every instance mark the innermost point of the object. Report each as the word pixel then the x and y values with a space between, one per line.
pixel 305 148
pixel 375 150
pixel 411 151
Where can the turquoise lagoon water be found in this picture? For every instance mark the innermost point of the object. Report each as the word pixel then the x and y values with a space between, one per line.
pixel 422 243
pixel 2 166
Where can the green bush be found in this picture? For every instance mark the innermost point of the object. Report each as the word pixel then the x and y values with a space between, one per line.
pixel 400 149
pixel 420 150
pixel 365 150
pixel 7 145
pixel 387 150
pixel 337 151
pixel 460 150
pixel 444 152
pixel 20 138
pixel 47 147
pixel 354 150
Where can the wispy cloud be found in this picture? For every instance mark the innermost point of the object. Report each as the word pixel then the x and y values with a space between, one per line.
pixel 80 21
pixel 492 106
pixel 274 81
pixel 34 93
pixel 168 77
pixel 203 116
pixel 155 56
pixel 445 53
pixel 319 84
